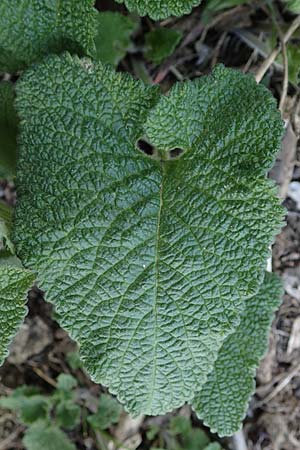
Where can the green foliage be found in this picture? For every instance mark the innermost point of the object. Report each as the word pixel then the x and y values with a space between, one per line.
pixel 66 382
pixel 160 10
pixel 45 415
pixel 39 411
pixel 41 435
pixel 113 37
pixel 30 29
pixel 217 5
pixel 190 438
pixel 293 54
pixel 73 359
pixel 213 446
pixel 108 413
pixel 293 6
pixel 5 226
pixel 8 129
pixel 160 43
pixel 158 253
pixel 67 414
pixel 179 434
pixel 223 400
pixel 30 405
pixel 14 284
pixel 213 7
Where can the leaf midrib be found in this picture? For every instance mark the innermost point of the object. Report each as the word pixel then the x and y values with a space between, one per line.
pixel 156 271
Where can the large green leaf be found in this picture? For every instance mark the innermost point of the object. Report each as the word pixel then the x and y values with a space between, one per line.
pixel 30 29
pixel 147 259
pixel 160 9
pixel 14 284
pixel 8 129
pixel 223 400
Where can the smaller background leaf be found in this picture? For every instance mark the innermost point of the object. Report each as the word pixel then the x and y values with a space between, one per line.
pixel 108 413
pixel 161 43
pixel 191 438
pixel 293 6
pixel 293 53
pixel 113 37
pixel 213 446
pixel 217 5
pixel 42 436
pixel 67 414
pixel 73 359
pixel 8 130
pixel 28 403
pixel 5 227
pixel 66 382
pixel 31 29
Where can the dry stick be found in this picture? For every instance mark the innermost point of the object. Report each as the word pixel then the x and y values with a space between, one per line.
pixel 271 58
pixel 286 380
pixel 8 441
pixel 45 377
pixel 285 83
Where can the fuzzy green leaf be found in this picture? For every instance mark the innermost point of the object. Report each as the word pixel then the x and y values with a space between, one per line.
pixel 66 382
pixel 47 437
pixel 67 414
pixel 162 9
pixel 14 284
pixel 223 400
pixel 161 43
pixel 213 446
pixel 29 407
pixel 108 413
pixel 190 437
pixel 73 359
pixel 8 129
pixel 113 37
pixel 148 259
pixel 293 6
pixel 30 29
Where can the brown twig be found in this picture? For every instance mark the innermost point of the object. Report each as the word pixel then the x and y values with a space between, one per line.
pixel 44 377
pixel 285 83
pixel 8 441
pixel 283 383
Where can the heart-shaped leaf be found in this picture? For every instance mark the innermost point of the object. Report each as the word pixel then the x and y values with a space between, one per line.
pixel 147 218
